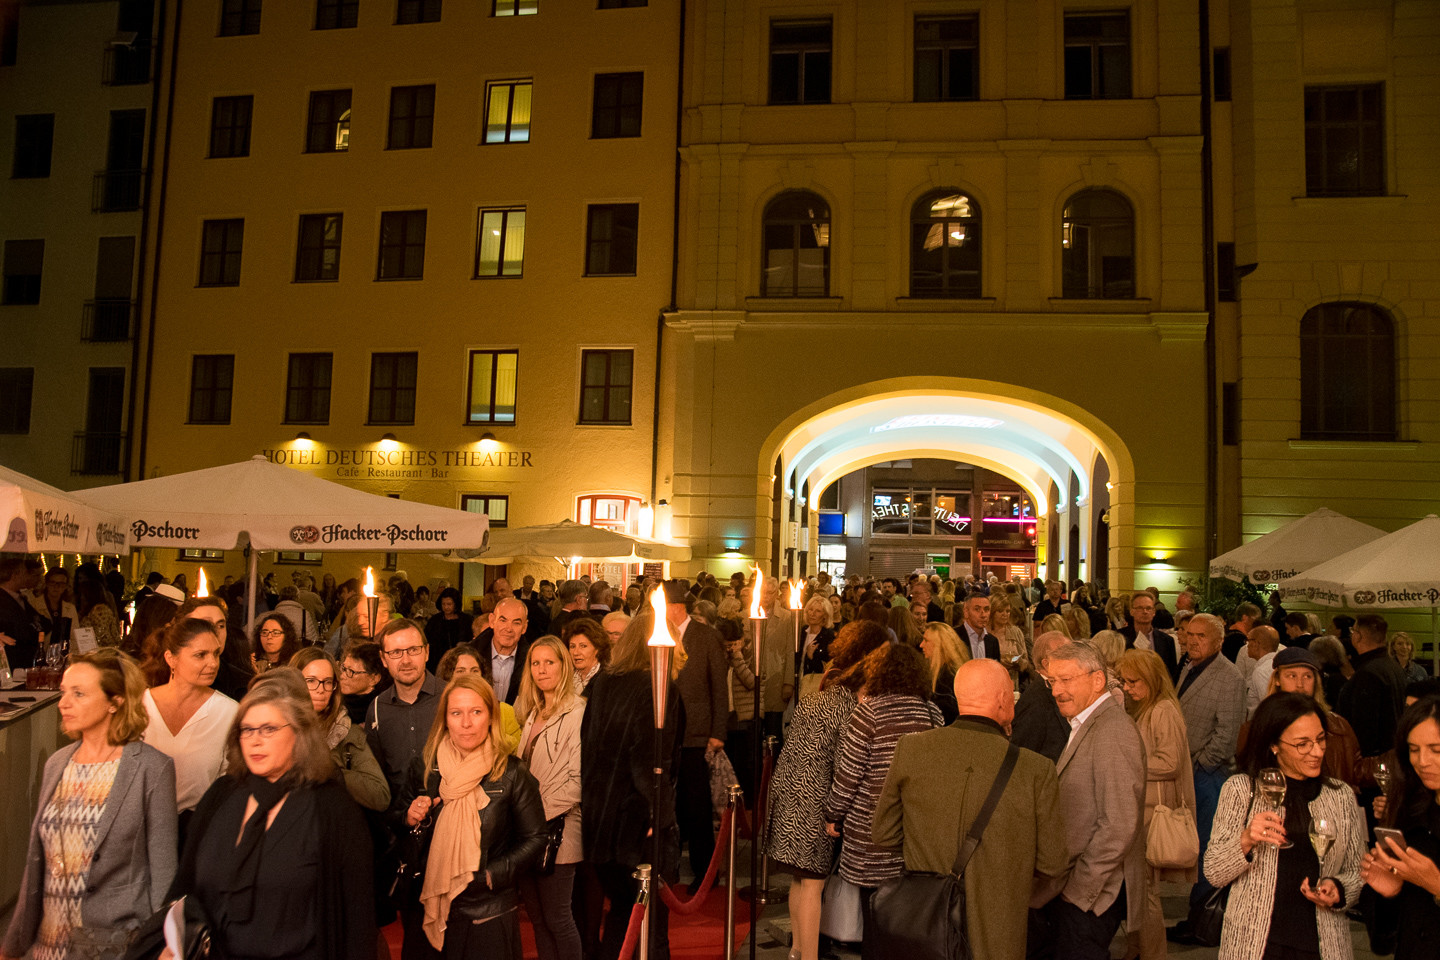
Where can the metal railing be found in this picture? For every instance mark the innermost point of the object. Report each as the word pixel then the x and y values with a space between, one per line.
pixel 117 190
pixel 97 454
pixel 107 320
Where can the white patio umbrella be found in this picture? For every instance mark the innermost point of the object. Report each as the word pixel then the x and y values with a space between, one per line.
pixel 270 507
pixel 1399 571
pixel 567 540
pixel 1300 544
pixel 39 517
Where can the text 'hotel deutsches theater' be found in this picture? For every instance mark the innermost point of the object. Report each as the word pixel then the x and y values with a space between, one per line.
pixel 1024 287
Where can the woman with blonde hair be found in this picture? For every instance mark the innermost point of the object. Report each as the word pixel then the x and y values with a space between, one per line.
pixel 550 744
pixel 1169 778
pixel 361 772
pixel 1115 609
pixel 1003 620
pixel 1054 623
pixel 84 892
pixel 489 828
pixel 943 650
pixel 904 626
pixel 1077 621
pixel 816 634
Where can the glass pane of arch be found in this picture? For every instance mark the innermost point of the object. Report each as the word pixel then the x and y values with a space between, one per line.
pixel 795 238
pixel 945 246
pixel 1097 243
pixel 1347 373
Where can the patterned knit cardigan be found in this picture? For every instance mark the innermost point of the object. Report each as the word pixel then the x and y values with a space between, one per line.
pixel 1252 897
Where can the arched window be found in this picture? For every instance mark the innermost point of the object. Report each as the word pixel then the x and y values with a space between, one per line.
pixel 1347 373
pixel 796 241
pixel 945 246
pixel 1097 240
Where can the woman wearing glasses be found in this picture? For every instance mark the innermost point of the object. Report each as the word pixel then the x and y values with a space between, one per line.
pixel 1169 778
pixel 346 740
pixel 297 881
pixel 275 642
pixel 1294 858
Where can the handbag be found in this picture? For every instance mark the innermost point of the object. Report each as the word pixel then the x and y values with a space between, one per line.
pixel 722 777
pixel 1208 919
pixel 921 916
pixel 840 915
pixel 554 836
pixel 1172 842
pixel 413 849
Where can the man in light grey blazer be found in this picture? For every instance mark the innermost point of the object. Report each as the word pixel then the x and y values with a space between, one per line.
pixel 1102 797
pixel 1212 698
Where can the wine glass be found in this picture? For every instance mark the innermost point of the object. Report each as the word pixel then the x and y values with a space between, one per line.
pixel 1384 777
pixel 1322 837
pixel 1272 791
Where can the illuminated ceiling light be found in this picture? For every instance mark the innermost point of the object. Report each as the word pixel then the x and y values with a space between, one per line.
pixel 303 438
pixel 388 442
pixel 488 442
pixel 961 420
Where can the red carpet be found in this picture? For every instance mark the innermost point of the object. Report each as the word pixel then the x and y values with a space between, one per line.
pixel 696 937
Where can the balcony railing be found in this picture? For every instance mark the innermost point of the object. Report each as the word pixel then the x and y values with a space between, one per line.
pixel 107 321
pixel 96 454
pixel 117 190
pixel 127 64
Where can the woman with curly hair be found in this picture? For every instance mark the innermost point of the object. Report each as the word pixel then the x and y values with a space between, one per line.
pixel 274 642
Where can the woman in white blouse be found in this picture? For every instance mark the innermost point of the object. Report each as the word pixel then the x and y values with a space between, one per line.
pixel 190 721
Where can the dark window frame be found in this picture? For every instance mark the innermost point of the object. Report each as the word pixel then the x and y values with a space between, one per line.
pixel 946 47
pixel 309 379
pixel 1099 84
pixel 403 245
pixel 775 221
pixel 617 105
pixel 1326 137
pixel 604 253
pixel 336 14
pixel 17 399
pixel 409 12
pixel 410 126
pixel 517 8
pixel 328 110
pixel 212 389
pixel 311 248
pixel 466 499
pixel 1098 231
pixel 387 406
pixel 230 122
pixel 621 4
pixel 217 259
pixel 1347 375
pixel 783 48
pixel 493 418
pixel 239 18
pixel 34 146
pixel 22 289
pixel 607 388
pixel 954 281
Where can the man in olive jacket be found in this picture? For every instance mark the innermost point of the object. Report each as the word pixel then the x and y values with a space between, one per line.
pixel 936 786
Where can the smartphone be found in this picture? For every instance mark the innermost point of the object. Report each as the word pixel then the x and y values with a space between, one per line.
pixel 1390 833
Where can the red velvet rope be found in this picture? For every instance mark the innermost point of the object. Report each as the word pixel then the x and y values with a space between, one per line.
pixel 697 899
pixel 632 932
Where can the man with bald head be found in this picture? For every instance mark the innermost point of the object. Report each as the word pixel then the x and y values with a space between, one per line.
pixel 940 773
pixel 506 647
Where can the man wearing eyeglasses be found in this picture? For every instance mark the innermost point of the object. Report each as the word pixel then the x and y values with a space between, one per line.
pixel 397 724
pixel 1102 794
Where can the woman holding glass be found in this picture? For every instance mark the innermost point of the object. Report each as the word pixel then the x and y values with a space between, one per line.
pixel 1290 840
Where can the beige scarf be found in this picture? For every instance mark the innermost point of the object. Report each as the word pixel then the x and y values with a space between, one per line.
pixel 455 844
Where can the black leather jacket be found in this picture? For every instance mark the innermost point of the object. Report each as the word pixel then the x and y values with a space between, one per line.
pixel 512 836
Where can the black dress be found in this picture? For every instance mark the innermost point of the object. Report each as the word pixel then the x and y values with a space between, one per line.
pixel 1419 926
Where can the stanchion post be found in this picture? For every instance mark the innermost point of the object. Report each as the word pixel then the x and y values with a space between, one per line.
pixel 757 618
pixel 764 894
pixel 642 873
pixel 735 794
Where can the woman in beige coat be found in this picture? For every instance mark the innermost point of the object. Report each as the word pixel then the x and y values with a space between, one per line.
pixel 1170 779
pixel 550 743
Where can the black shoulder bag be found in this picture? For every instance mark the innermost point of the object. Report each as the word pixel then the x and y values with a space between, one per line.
pixel 921 916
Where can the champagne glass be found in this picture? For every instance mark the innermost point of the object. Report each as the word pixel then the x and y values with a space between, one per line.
pixel 1272 791
pixel 1384 777
pixel 1322 837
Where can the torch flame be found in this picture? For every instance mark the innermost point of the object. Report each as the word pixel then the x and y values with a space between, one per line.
pixel 757 612
pixel 660 632
pixel 369 588
pixel 795 591
pixel 204 589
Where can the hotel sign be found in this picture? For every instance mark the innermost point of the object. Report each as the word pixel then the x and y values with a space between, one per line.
pixel 410 463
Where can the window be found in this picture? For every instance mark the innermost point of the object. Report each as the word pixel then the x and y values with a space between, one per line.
pixel 1226 282
pixel 796 240
pixel 500 243
pixel 336 14
pixel 620 4
pixel 616 110
pixel 24 260
pixel 493 376
pixel 945 246
pixel 1097 56
pixel 412 117
pixel 920 511
pixel 611 235
pixel 1345 140
pixel 328 129
pixel 17 385
pixel 298 557
pixel 392 387
pixel 239 17
pixel 418 11
pixel 1220 76
pixel 212 377
pixel 605 380
pixel 34 138
pixel 107 318
pixel 515 8
pixel 800 61
pixel 402 245
pixel 202 555
pixel 612 512
pixel 947 58
pixel 1347 373
pixel 317 256
pixel 230 126
pixel 9 33
pixel 496 508
pixel 507 111
pixel 1097 240
pixel 220 247
pixel 307 388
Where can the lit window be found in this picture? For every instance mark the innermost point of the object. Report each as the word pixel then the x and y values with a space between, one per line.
pixel 945 246
pixel 493 378
pixel 507 111
pixel 500 243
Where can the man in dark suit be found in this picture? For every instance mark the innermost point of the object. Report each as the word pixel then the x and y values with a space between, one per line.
pixel 1374 697
pixel 1038 725
pixel 505 646
pixel 19 620
pixel 1297 631
pixel 973 628
pixel 1142 633
pixel 920 593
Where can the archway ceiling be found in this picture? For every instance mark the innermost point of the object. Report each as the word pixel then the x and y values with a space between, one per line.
pixel 1029 445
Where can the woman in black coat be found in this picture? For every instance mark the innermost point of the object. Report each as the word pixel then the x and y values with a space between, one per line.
pixel 489 826
pixel 448 627
pixel 617 783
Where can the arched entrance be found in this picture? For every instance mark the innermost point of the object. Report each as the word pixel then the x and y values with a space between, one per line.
pixel 1055 450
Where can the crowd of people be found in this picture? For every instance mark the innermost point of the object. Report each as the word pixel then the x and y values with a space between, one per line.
pixel 416 763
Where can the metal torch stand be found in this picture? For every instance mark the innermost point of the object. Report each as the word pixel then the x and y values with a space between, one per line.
pixel 735 793
pixel 642 873
pixel 759 835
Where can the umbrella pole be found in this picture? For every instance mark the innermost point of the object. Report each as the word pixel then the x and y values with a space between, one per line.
pixel 1435 641
pixel 251 587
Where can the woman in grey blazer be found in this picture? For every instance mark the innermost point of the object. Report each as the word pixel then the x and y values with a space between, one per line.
pixel 102 845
